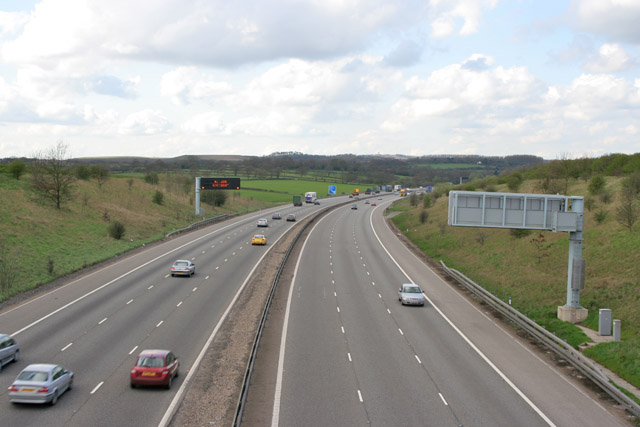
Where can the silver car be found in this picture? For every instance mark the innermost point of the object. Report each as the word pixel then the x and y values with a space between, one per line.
pixel 262 222
pixel 41 383
pixel 410 294
pixel 9 350
pixel 183 267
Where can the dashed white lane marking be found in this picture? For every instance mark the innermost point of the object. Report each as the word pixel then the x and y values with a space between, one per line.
pixel 466 339
pixel 161 322
pixel 102 321
pixel 97 387
pixel 349 355
pixel 401 333
pixel 150 287
pixel 129 302
pixel 338 309
pixel 360 396
pixel 335 294
pixel 133 349
pixel 206 278
pixel 204 252
pixel 179 304
pixel 194 289
pixel 66 346
pixel 418 359
pixel 217 267
pixel 388 311
pixel 342 327
pixel 444 401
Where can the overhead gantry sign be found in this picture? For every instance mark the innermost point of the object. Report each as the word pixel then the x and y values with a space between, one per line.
pixel 530 212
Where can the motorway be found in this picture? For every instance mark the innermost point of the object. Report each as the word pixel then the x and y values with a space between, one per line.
pixel 353 355
pixel 96 324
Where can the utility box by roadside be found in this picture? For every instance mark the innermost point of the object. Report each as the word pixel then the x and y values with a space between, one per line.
pixel 617 326
pixel 604 322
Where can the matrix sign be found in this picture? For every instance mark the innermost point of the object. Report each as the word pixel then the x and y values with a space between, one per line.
pixel 220 183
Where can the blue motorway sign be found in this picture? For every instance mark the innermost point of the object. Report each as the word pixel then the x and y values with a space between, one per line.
pixel 332 189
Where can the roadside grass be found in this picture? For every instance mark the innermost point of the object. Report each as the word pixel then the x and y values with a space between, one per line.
pixel 535 279
pixel 620 356
pixel 49 243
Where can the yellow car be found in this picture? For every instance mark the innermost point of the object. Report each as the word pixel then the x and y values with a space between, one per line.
pixel 259 239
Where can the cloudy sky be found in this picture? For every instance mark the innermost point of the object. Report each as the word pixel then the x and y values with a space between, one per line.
pixel 162 78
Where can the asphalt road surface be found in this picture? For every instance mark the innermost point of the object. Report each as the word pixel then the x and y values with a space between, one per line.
pixel 96 325
pixel 353 355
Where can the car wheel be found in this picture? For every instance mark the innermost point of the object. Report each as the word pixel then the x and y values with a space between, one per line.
pixel 16 356
pixel 54 399
pixel 169 383
pixel 177 372
pixel 133 385
pixel 70 386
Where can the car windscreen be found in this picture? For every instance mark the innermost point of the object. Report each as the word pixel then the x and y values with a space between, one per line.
pixel 180 264
pixel 150 362
pixel 412 290
pixel 33 376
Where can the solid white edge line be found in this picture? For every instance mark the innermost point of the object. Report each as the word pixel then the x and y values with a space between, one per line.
pixel 275 417
pixel 173 406
pixel 464 337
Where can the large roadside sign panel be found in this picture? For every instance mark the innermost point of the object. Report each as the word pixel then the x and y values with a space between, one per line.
pixel 511 210
pixel 219 183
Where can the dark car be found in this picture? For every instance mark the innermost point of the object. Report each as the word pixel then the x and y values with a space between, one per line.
pixel 316 202
pixel 155 367
pixel 354 207
pixel 183 267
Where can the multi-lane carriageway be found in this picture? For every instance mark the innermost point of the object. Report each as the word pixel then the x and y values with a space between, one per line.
pixel 352 355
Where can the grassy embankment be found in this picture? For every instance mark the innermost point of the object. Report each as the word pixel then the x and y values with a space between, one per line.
pixel 47 243
pixel 535 279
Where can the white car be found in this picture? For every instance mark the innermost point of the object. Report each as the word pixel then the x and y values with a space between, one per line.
pixel 262 222
pixel 40 383
pixel 410 294
pixel 9 350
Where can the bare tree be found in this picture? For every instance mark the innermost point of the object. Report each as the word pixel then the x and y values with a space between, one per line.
pixel 52 175
pixel 100 173
pixel 629 210
pixel 8 270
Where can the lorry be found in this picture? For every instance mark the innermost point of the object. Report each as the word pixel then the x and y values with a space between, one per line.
pixel 310 197
pixel 297 200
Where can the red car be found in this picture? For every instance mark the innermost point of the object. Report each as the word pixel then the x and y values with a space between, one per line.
pixel 155 367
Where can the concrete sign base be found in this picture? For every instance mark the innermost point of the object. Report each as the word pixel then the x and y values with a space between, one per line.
pixel 572 314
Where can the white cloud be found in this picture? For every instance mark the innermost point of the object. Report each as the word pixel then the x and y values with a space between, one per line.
pixel 462 93
pixel 186 84
pixel 145 122
pixel 449 13
pixel 611 58
pixel 615 19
